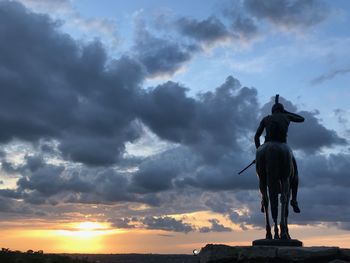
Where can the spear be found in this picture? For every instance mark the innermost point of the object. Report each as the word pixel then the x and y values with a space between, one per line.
pixel 253 162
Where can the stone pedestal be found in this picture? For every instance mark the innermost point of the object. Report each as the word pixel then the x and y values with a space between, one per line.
pixel 216 253
pixel 278 242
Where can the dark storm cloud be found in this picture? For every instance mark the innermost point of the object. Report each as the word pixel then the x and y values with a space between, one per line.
pixel 314 136
pixel 8 167
pixel 12 209
pixel 161 56
pixel 309 136
pixel 212 124
pixel 330 75
pixel 50 180
pixel 215 227
pixel 220 203
pixel 56 88
pixel 290 14
pixel 167 223
pixel 157 173
pixel 323 203
pixel 331 170
pixel 168 111
pixel 41 183
pixel 207 31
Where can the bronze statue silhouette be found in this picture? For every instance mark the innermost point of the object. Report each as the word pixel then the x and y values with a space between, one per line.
pixel 276 168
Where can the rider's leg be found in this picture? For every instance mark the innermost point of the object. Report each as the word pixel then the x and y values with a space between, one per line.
pixel 294 188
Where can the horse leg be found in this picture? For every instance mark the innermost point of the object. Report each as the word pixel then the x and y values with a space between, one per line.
pixel 265 203
pixel 284 204
pixel 274 211
pixel 287 213
pixel 267 218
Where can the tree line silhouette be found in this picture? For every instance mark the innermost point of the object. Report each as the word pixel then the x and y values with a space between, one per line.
pixel 9 256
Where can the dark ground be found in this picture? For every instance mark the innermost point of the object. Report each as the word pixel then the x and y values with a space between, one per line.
pixel 8 256
pixel 136 258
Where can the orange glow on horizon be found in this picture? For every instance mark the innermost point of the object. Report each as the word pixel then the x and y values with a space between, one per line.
pixel 86 237
pixel 100 237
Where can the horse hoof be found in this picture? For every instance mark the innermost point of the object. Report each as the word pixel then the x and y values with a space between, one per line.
pixel 285 237
pixel 276 236
pixel 295 206
pixel 268 236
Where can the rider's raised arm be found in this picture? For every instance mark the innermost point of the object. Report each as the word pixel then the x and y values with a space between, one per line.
pixel 294 117
pixel 258 133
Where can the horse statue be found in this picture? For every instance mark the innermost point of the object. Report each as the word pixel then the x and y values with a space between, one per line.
pixel 274 167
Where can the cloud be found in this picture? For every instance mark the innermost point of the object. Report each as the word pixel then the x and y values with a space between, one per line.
pixel 215 227
pixel 167 223
pixel 13 209
pixel 330 75
pixel 213 30
pixel 161 56
pixel 212 124
pixel 123 223
pixel 314 136
pixel 168 111
pixel 77 98
pixel 245 28
pixel 44 183
pixel 208 31
pixel 289 14
pixel 158 172
pixel 341 116
pixel 65 11
pixel 209 131
pixel 326 170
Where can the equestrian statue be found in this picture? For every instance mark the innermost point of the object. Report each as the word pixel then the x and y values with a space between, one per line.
pixel 276 168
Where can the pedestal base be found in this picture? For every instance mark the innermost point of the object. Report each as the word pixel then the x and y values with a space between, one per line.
pixel 278 242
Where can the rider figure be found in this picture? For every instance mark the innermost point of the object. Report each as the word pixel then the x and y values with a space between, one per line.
pixel 276 126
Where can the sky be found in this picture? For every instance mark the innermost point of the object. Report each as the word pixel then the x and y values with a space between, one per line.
pixel 124 123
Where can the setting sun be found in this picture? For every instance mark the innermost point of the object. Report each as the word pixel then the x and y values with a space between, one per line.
pixel 85 230
pixel 91 226
pixel 83 236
